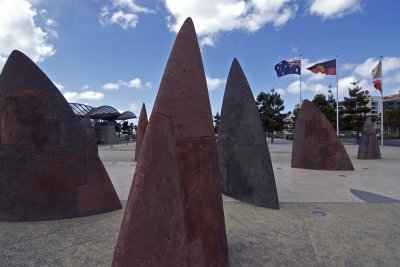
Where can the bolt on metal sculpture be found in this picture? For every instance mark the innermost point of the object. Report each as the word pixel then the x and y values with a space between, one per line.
pixel 49 169
pixel 174 214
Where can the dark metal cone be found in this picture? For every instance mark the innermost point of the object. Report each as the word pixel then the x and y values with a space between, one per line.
pixel 52 170
pixel 142 125
pixel 369 146
pixel 315 143
pixel 244 159
pixel 183 99
pixel 153 228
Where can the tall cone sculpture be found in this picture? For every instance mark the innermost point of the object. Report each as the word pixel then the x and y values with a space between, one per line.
pixel 48 167
pixel 369 147
pixel 177 180
pixel 244 159
pixel 142 125
pixel 315 143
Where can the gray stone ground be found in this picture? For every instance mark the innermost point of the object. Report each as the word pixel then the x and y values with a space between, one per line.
pixel 352 232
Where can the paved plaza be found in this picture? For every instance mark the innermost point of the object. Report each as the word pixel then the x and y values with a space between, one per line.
pixel 327 218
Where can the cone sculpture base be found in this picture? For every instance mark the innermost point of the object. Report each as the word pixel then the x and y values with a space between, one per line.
pixel 49 168
pixel 244 159
pixel 176 198
pixel 315 143
pixel 369 147
pixel 154 202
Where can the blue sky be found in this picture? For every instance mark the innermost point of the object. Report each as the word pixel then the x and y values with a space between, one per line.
pixel 113 52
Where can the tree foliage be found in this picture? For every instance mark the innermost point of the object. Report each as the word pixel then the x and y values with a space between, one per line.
pixel 292 118
pixel 355 110
pixel 392 118
pixel 327 107
pixel 270 107
pixel 217 118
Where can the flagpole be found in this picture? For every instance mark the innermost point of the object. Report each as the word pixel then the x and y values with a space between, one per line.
pixel 337 98
pixel 300 82
pixel 382 104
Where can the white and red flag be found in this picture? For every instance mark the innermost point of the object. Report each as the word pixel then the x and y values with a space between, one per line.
pixel 377 76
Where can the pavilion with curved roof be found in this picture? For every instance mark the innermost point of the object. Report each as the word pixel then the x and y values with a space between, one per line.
pixel 105 118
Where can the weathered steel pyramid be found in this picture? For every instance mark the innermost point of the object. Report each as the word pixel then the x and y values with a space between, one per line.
pixel 244 159
pixel 142 125
pixel 369 147
pixel 174 215
pixel 315 143
pixel 48 167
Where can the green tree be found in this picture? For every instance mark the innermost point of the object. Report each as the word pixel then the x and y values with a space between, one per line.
pixel 118 129
pixel 125 127
pixel 327 107
pixel 355 109
pixel 392 118
pixel 270 107
pixel 217 118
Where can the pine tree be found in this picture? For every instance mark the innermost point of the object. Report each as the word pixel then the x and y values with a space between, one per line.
pixel 217 118
pixel 355 110
pixel 327 107
pixel 270 105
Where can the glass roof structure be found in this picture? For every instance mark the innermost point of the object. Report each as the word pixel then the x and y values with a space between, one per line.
pixel 107 113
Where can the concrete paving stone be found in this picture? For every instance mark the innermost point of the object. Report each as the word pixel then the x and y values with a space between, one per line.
pixel 263 237
pixel 353 233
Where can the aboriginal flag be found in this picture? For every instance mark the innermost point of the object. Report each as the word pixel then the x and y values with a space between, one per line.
pixel 327 67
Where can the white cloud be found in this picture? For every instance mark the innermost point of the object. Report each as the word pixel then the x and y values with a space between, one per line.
pixel 133 107
pixel 85 87
pixel 110 86
pixel 123 13
pixel 334 9
pixel 214 83
pixel 59 86
pixel 135 83
pixel 20 30
pixel 280 91
pixel 148 85
pixel 213 17
pixel 390 71
pixel 87 95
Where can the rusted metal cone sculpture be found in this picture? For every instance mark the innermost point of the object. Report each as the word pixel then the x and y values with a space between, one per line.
pixel 174 214
pixel 369 147
pixel 142 125
pixel 315 143
pixel 244 159
pixel 49 169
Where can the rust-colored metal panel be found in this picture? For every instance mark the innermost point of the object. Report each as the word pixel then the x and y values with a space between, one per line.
pixel 182 101
pixel 369 146
pixel 54 178
pixel 315 143
pixel 142 125
pixel 153 227
pixel 59 157
pixel 244 159
pixel 15 167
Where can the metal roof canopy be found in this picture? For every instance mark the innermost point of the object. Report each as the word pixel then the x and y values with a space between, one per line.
pixel 101 113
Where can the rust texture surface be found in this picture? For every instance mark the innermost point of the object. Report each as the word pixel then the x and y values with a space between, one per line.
pixel 369 146
pixel 142 126
pixel 315 143
pixel 49 165
pixel 244 159
pixel 177 172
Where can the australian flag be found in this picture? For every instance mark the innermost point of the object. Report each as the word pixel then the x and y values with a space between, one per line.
pixel 288 67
